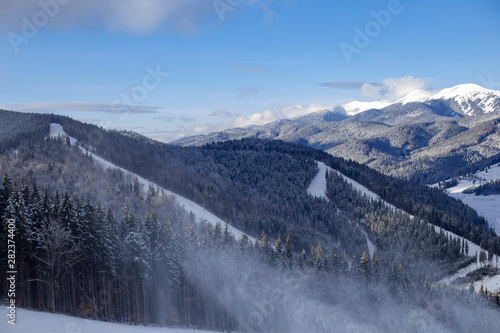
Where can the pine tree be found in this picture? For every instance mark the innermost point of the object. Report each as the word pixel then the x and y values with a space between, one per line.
pixel 376 268
pixel 471 286
pixel 279 247
pixel 302 259
pixel 365 267
pixel 319 262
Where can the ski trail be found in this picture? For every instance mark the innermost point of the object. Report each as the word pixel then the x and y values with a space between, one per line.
pixel 56 130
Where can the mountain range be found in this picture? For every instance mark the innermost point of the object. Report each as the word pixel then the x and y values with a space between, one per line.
pixel 236 232
pixel 425 136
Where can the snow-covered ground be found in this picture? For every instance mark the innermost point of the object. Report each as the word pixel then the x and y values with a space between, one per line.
pixel 474 250
pixel 200 212
pixel 43 322
pixel 487 206
pixel 317 188
pixel 479 178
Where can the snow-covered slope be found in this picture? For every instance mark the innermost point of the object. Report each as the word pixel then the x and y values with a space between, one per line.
pixel 200 212
pixel 43 322
pixel 487 206
pixel 318 188
pixel 466 99
pixel 355 107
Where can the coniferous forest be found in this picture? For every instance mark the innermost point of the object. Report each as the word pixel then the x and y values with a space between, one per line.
pixel 95 242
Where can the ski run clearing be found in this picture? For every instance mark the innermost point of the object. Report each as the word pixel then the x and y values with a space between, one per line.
pixel 42 322
pixel 57 130
pixel 318 188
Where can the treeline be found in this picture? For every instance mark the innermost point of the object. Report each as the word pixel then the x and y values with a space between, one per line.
pixel 16 127
pixel 489 188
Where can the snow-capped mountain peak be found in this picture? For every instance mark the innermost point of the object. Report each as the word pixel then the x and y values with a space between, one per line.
pixel 355 107
pixel 470 99
pixel 466 99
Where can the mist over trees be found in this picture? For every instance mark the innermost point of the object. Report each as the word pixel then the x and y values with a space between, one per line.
pixel 77 258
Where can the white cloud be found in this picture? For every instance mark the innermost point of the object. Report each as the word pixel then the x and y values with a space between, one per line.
pixel 246 91
pixel 50 107
pixel 276 113
pixel 394 88
pixel 222 113
pixel 136 16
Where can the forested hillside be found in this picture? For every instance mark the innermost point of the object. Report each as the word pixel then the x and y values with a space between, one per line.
pixel 93 242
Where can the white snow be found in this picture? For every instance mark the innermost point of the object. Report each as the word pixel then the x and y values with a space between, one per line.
pixel 318 184
pixel 417 96
pixel 356 107
pixel 487 206
pixel 474 250
pixel 200 212
pixel 56 130
pixel 42 322
pixel 492 283
pixel 371 246
pixel 478 178
pixel 465 95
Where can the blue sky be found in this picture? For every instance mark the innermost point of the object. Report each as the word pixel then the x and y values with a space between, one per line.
pixel 168 69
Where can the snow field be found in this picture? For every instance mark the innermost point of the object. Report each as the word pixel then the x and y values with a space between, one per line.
pixel 42 322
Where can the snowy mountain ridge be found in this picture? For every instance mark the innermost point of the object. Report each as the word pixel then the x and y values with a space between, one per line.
pixel 466 99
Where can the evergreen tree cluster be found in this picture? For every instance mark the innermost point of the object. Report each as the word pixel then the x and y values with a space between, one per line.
pixel 75 257
pixel 17 127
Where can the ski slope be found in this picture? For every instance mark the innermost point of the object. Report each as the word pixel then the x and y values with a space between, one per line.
pixel 317 188
pixel 42 322
pixel 56 130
